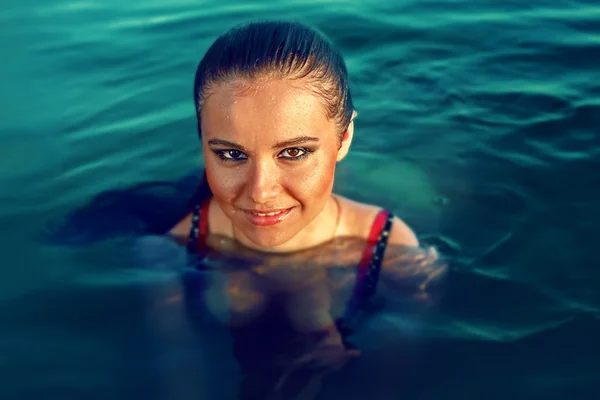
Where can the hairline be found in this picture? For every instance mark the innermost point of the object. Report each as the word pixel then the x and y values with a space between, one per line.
pixel 248 85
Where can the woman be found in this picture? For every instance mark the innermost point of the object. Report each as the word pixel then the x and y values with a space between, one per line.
pixel 275 116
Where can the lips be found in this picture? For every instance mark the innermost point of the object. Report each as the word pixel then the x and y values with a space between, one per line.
pixel 266 214
pixel 267 217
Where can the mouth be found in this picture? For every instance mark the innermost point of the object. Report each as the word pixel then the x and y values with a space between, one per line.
pixel 267 217
pixel 267 213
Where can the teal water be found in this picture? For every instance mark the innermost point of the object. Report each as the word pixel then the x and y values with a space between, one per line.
pixel 478 124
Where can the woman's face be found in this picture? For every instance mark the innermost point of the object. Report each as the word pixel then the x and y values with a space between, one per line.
pixel 270 153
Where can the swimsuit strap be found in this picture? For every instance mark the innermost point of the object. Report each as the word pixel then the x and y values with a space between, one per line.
pixel 369 268
pixel 199 228
pixel 370 265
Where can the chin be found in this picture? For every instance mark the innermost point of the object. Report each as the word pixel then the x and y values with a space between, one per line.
pixel 267 238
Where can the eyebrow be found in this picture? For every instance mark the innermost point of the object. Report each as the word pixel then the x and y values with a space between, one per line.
pixel 286 143
pixel 226 143
pixel 295 141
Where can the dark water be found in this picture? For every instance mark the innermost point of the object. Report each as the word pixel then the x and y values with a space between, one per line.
pixel 478 124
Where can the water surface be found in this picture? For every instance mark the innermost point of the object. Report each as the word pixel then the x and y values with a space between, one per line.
pixel 478 124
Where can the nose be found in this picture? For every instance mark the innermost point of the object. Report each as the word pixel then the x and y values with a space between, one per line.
pixel 263 181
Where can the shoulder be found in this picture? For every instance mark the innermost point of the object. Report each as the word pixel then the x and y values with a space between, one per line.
pixel 359 217
pixel 402 234
pixel 182 228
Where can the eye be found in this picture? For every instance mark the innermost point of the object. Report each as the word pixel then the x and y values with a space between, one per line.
pixel 294 153
pixel 231 155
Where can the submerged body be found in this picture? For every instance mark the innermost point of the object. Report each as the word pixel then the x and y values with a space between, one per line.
pixel 291 314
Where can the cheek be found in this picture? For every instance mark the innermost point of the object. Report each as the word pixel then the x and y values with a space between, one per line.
pixel 313 180
pixel 224 182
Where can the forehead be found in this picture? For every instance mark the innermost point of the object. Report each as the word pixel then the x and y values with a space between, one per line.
pixel 276 107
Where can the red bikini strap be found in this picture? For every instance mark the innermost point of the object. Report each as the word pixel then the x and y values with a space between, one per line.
pixel 202 227
pixel 203 222
pixel 376 229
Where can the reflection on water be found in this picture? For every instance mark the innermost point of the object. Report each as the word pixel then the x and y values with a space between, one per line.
pixel 166 328
pixel 287 314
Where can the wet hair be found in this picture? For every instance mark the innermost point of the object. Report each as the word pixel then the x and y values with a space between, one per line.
pixel 249 53
pixel 277 50
pixel 264 50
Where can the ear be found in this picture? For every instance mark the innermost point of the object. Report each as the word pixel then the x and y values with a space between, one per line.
pixel 347 139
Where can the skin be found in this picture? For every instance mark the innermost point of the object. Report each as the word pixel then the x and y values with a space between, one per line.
pixel 247 122
pixel 272 176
